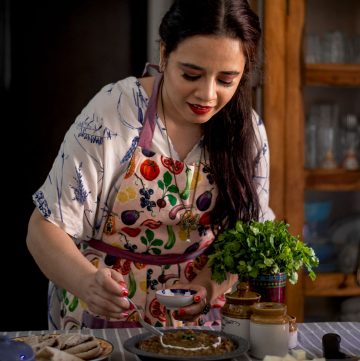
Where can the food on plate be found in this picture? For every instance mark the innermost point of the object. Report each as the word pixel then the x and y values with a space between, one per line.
pixel 85 347
pixel 187 343
pixel 53 354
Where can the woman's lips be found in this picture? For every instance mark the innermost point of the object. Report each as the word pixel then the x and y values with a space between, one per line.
pixel 199 109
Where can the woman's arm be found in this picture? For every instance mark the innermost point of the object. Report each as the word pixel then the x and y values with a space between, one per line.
pixel 262 171
pixel 61 261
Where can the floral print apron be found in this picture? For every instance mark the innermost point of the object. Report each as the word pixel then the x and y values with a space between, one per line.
pixel 143 238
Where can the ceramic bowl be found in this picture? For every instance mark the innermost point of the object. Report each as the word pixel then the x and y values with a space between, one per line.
pixel 132 345
pixel 11 350
pixel 175 297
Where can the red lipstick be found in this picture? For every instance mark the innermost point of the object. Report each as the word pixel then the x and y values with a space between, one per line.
pixel 199 109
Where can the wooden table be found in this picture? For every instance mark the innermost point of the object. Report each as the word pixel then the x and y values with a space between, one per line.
pixel 309 338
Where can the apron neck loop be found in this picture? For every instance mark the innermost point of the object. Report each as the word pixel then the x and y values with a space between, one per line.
pixel 150 115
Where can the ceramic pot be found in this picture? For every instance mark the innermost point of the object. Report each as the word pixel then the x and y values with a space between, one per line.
pixel 269 330
pixel 271 287
pixel 237 310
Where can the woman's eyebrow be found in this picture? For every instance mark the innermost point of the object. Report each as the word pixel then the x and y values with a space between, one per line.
pixel 196 67
pixel 230 72
pixel 191 66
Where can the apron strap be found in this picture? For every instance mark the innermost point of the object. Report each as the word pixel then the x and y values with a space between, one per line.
pixel 150 115
pixel 160 260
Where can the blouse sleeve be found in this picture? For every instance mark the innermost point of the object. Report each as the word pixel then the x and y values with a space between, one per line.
pixel 262 172
pixel 74 196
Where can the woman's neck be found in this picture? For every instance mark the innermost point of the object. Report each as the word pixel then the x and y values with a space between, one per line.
pixel 184 135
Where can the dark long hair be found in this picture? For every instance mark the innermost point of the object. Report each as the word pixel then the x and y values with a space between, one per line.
pixel 229 136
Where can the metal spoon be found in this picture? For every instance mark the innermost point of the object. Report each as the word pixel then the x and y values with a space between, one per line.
pixel 146 325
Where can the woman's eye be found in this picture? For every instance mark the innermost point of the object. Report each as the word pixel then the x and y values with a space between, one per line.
pixel 191 77
pixel 225 82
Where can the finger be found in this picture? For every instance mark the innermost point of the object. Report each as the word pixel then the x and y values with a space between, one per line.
pixel 119 279
pixel 105 298
pixel 112 281
pixel 193 311
pixel 101 305
pixel 180 315
pixel 116 276
pixel 100 311
pixel 200 295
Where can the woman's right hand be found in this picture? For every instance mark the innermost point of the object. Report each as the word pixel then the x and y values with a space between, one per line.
pixel 105 293
pixel 103 290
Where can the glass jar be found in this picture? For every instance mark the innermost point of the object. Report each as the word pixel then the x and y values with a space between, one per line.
pixel 269 330
pixel 237 310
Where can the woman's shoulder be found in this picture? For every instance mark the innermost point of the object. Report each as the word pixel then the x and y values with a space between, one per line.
pixel 257 120
pixel 114 115
pixel 259 128
pixel 123 99
pixel 128 90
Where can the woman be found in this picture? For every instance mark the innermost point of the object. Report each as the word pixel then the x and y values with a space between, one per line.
pixel 149 173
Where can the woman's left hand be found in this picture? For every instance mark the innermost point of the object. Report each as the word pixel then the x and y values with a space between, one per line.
pixel 197 308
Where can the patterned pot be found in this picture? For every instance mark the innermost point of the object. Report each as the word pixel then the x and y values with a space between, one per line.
pixel 271 287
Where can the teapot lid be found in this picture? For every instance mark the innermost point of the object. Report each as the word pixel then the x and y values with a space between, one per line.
pixel 242 295
pixel 11 350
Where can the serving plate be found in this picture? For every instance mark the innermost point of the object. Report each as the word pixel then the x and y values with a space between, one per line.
pixel 106 347
pixel 241 346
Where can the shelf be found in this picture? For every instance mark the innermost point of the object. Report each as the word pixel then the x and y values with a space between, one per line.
pixel 332 179
pixel 332 74
pixel 332 285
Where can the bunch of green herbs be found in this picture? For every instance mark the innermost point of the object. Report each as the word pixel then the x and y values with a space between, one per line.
pixel 254 248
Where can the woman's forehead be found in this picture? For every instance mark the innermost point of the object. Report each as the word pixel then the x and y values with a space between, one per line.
pixel 225 54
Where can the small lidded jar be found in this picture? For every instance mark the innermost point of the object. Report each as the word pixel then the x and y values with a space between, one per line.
pixel 237 310
pixel 269 330
pixel 292 332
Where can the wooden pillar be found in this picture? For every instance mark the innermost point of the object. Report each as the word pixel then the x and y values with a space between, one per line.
pixel 274 98
pixel 283 116
pixel 294 140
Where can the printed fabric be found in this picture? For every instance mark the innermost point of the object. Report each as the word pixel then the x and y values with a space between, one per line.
pixel 113 190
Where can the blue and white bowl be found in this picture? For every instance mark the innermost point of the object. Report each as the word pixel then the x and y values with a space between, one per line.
pixel 175 297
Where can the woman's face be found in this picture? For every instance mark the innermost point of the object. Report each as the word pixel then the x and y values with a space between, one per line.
pixel 201 75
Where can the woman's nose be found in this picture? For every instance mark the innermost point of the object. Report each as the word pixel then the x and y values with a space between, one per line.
pixel 206 90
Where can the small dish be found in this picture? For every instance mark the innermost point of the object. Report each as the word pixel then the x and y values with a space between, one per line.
pixel 175 297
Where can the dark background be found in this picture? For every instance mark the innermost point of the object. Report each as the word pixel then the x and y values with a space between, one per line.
pixel 62 53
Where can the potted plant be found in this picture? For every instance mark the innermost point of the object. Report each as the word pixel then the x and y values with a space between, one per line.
pixel 259 251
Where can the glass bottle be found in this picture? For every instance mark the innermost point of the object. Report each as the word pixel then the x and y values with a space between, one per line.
pixel 326 136
pixel 350 142
pixel 310 138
